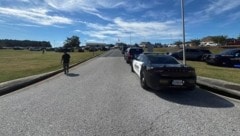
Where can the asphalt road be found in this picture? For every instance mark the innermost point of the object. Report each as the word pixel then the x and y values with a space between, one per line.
pixel 102 97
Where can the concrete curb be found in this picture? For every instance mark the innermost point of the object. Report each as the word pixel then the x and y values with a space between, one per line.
pixel 12 85
pixel 220 86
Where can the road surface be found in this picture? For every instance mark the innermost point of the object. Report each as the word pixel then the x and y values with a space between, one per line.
pixel 103 97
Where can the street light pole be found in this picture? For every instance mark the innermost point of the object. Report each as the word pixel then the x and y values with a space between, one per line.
pixel 183 29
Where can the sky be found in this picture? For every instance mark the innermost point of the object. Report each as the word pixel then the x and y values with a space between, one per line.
pixel 111 21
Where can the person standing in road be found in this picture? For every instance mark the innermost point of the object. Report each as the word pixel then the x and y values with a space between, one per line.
pixel 65 61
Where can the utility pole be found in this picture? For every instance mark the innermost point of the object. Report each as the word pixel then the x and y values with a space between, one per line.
pixel 183 29
pixel 130 39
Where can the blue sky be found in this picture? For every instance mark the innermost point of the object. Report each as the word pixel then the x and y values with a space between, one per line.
pixel 109 21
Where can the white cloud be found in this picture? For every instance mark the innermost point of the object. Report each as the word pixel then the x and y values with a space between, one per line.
pixel 28 25
pixel 24 0
pixel 36 16
pixel 148 28
pixel 220 6
pixel 234 16
pixel 213 9
pixel 137 30
pixel 94 7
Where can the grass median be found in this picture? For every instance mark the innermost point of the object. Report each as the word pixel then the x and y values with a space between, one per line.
pixel 22 63
pixel 205 70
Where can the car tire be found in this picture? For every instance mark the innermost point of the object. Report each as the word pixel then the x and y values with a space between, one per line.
pixel 191 88
pixel 143 81
pixel 132 68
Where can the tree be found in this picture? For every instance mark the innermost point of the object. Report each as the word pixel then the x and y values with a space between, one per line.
pixel 72 42
pixel 178 43
pixel 24 43
pixel 219 39
pixel 195 42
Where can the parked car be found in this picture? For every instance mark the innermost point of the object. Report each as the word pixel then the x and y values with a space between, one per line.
pixel 228 57
pixel 92 49
pixel 211 44
pixel 131 52
pixel 80 49
pixel 158 71
pixel 62 49
pixel 104 48
pixel 191 54
pixel 124 48
pixel 35 49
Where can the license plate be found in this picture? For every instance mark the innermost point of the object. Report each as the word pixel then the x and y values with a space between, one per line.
pixel 177 82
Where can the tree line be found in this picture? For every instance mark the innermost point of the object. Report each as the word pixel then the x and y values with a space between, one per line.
pixel 221 40
pixel 24 43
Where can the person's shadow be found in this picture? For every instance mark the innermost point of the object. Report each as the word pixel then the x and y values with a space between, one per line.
pixel 72 75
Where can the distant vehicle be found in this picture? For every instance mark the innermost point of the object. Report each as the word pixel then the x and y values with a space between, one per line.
pixel 92 49
pixel 211 44
pixel 107 48
pixel 132 52
pixel 228 57
pixel 49 49
pixel 104 48
pixel 191 54
pixel 80 49
pixel 158 71
pixel 35 49
pixel 124 48
pixel 62 49
pixel 18 48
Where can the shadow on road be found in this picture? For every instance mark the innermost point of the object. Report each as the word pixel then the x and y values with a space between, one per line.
pixel 72 75
pixel 198 97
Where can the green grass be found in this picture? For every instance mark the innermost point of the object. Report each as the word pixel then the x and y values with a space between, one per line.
pixel 223 73
pixel 17 64
pixel 21 63
pixel 202 69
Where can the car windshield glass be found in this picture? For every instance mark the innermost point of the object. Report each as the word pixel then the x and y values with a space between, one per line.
pixel 227 52
pixel 206 51
pixel 156 59
pixel 136 51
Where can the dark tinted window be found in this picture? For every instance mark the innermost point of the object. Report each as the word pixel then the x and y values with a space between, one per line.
pixel 229 52
pixel 159 59
pixel 140 57
pixel 191 50
pixel 206 51
pixel 136 51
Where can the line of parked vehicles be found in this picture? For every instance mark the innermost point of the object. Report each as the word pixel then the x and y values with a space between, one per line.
pixel 227 58
pixel 163 70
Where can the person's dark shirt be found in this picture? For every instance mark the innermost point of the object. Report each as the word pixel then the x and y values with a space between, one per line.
pixel 65 58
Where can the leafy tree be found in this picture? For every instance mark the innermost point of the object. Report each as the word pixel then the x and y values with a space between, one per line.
pixel 72 42
pixel 178 43
pixel 195 42
pixel 24 43
pixel 220 39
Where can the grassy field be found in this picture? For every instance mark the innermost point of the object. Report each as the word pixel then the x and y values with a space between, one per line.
pixel 16 64
pixel 21 63
pixel 202 69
